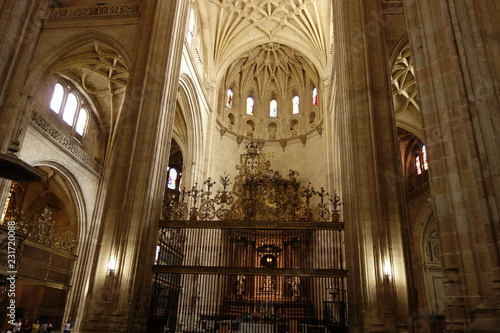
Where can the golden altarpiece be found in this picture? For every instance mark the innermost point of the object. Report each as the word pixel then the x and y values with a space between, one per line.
pixel 260 254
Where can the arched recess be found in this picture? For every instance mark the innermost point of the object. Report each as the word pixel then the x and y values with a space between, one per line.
pixel 294 127
pixel 426 266
pixel 272 129
pixel 433 268
pixel 52 219
pixel 249 127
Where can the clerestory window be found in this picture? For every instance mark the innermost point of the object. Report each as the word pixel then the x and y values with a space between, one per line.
pixel 71 108
pixel 250 105
pixel 273 108
pixel 229 98
pixel 315 96
pixel 295 105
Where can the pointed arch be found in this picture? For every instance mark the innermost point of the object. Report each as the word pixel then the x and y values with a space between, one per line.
pixel 189 108
pixel 61 53
pixel 77 198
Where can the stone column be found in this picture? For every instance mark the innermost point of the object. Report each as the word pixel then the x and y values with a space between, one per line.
pixel 456 50
pixel 135 175
pixel 370 175
pixel 20 25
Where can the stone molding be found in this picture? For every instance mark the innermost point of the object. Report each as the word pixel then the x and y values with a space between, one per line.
pixel 65 142
pixel 95 11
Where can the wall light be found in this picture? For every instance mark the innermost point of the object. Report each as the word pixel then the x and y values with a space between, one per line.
pixel 111 265
pixel 387 269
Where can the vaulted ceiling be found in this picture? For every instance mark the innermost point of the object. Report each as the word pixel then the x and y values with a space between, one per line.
pixel 232 29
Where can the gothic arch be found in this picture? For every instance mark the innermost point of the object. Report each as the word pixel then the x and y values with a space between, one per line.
pixel 190 108
pixel 61 53
pixel 59 189
pixel 97 66
pixel 400 45
pixel 78 196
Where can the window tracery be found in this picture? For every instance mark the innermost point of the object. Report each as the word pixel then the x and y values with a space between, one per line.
pixel 70 106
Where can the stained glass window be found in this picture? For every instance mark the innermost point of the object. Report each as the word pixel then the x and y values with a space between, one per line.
pixel 295 105
pixel 315 96
pixel 418 166
pixel 273 108
pixel 229 98
pixel 172 178
pixel 424 157
pixel 250 105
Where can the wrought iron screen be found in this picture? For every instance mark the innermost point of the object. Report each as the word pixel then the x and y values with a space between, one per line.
pixel 266 256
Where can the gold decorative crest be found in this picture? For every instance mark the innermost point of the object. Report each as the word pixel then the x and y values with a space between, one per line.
pixel 258 194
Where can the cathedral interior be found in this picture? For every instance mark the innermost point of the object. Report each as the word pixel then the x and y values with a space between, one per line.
pixel 263 166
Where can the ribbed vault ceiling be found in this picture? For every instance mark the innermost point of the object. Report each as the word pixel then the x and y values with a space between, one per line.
pixel 272 67
pixel 234 27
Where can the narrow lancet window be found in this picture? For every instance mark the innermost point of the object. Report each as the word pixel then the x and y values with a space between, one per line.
pixel 81 121
pixel 315 96
pixel 70 109
pixel 273 108
pixel 250 105
pixel 172 178
pixel 57 98
pixel 191 26
pixel 418 165
pixel 229 98
pixel 424 157
pixel 295 105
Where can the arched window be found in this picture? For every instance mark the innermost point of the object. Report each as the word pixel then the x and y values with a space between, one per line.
pixel 70 107
pixel 424 157
pixel 57 98
pixel 273 108
pixel 250 105
pixel 81 122
pixel 421 163
pixel 315 96
pixel 229 98
pixel 418 165
pixel 191 26
pixel 172 178
pixel 295 105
